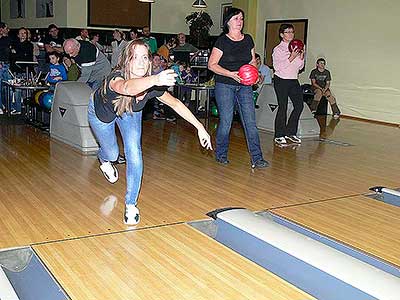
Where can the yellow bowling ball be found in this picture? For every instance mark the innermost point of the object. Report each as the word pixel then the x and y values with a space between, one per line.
pixel 37 95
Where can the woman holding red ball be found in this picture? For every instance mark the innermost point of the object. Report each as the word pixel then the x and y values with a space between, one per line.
pixel 287 65
pixel 232 50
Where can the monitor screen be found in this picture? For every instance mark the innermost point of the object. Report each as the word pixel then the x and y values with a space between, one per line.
pixel 182 56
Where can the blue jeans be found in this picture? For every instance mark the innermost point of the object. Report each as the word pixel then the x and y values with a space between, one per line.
pixel 130 126
pixel 4 75
pixel 17 95
pixel 94 85
pixel 227 95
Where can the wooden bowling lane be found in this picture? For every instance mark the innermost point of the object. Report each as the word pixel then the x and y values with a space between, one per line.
pixel 50 192
pixel 170 262
pixel 363 223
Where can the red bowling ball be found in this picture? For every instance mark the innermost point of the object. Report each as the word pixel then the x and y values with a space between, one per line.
pixel 249 74
pixel 296 44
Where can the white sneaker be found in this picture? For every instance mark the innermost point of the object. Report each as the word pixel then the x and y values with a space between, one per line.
pixel 280 140
pixel 132 215
pixel 1 111
pixel 294 139
pixel 336 116
pixel 15 112
pixel 110 172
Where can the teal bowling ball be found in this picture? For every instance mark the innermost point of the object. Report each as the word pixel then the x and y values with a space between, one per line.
pixel 47 100
pixel 255 96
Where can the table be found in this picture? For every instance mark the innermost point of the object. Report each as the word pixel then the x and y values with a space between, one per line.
pixel 198 89
pixel 9 86
pixel 199 69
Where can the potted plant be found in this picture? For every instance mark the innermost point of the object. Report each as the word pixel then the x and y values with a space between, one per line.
pixel 199 26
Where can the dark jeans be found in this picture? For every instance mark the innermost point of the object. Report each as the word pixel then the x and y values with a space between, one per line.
pixel 4 75
pixel 226 96
pixel 285 88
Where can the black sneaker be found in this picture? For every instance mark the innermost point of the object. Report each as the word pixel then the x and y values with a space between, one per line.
pixel 259 164
pixel 222 160
pixel 121 159
pixel 158 116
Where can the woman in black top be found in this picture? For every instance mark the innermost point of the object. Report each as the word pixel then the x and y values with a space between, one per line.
pixel 120 100
pixel 22 50
pixel 232 50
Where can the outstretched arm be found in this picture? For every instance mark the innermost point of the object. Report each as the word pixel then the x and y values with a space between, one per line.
pixel 135 86
pixel 185 113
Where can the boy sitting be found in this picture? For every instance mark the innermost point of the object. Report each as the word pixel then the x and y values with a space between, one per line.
pixel 320 82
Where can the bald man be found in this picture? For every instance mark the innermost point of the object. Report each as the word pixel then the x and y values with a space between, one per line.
pixel 93 63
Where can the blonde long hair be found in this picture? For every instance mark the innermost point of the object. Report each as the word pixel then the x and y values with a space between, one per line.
pixel 123 103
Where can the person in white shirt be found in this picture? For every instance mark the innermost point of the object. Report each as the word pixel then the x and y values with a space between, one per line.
pixel 84 35
pixel 117 45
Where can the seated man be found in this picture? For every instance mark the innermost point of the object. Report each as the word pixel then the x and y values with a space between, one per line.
pixel 320 82
pixel 184 52
pixel 264 73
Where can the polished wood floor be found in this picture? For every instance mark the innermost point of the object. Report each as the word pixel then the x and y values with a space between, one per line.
pixel 56 200
pixel 171 262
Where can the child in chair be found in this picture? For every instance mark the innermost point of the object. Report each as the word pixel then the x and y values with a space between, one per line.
pixel 57 71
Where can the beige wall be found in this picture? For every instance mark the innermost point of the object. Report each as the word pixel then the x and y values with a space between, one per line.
pixel 249 8
pixel 77 13
pixel 359 40
pixel 60 8
pixel 167 16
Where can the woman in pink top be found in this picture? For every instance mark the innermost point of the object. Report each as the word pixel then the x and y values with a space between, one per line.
pixel 287 66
